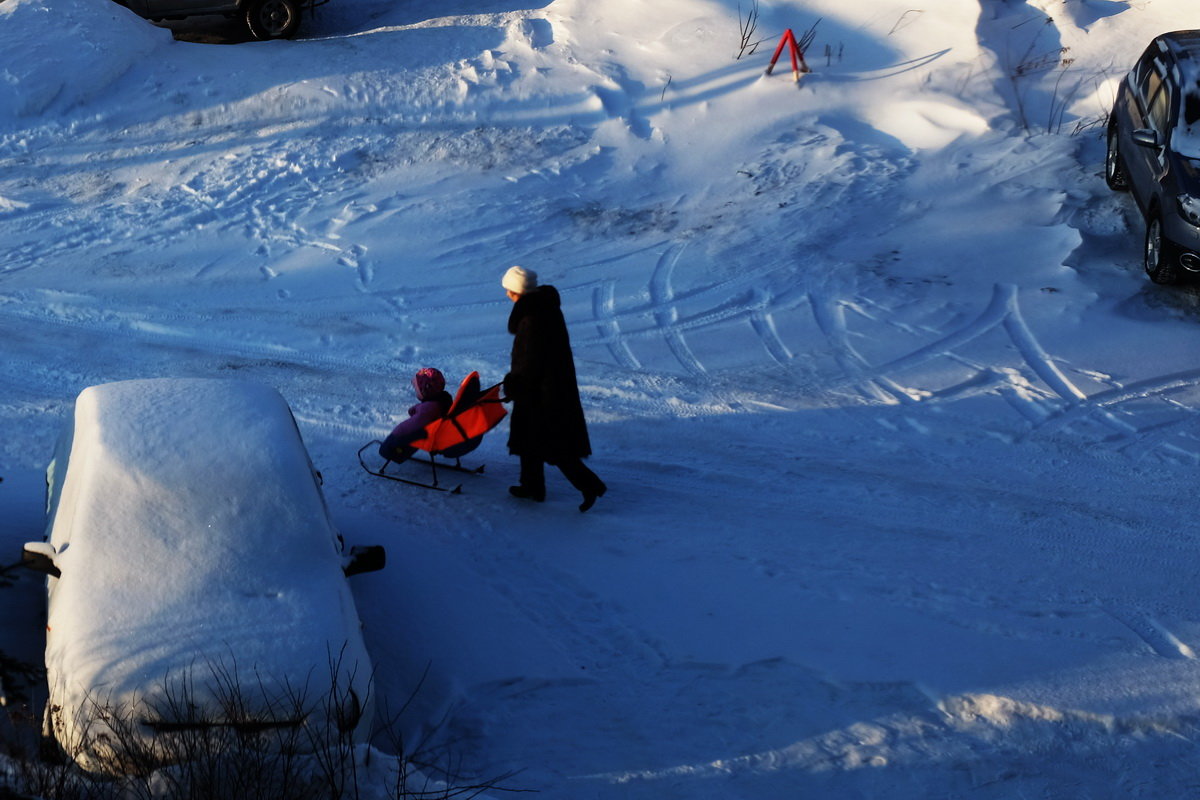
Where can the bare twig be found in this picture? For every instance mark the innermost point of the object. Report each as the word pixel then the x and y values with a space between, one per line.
pixel 747 25
pixel 806 38
pixel 224 733
pixel 903 21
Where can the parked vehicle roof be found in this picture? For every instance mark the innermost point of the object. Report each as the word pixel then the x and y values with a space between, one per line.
pixel 192 533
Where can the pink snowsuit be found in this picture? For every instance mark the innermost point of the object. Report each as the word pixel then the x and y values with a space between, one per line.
pixel 434 403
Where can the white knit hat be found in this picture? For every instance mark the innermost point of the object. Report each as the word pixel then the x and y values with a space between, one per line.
pixel 519 280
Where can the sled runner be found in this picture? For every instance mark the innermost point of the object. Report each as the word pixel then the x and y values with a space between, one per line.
pixel 473 413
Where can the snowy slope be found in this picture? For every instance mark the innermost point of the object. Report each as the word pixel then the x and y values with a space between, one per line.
pixel 898 437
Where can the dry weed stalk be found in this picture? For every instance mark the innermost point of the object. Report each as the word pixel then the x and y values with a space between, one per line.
pixel 213 739
pixel 747 26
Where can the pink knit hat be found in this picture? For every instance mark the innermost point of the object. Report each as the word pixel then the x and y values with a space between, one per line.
pixel 428 382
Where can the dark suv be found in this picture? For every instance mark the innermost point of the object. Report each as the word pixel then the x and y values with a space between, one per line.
pixel 1154 151
pixel 266 19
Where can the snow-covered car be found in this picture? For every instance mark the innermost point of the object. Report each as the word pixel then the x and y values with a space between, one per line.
pixel 1154 151
pixel 195 579
pixel 266 19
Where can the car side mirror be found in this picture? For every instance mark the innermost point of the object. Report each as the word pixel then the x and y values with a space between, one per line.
pixel 1147 137
pixel 39 557
pixel 364 559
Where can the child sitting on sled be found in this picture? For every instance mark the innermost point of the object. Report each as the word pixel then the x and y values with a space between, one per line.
pixel 433 401
pixel 441 427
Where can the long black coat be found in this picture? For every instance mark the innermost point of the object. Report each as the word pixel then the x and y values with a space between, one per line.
pixel 547 417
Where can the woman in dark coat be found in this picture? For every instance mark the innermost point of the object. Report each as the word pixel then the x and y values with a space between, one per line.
pixel 546 425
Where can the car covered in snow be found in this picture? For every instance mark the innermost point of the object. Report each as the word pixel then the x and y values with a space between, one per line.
pixel 196 583
pixel 1154 151
pixel 265 19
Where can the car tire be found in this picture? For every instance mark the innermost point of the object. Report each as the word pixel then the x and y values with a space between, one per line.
pixel 1158 253
pixel 273 19
pixel 1114 167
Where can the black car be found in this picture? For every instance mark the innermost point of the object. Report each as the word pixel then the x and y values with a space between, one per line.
pixel 1154 151
pixel 265 19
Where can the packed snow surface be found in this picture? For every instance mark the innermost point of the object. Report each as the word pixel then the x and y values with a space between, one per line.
pixel 899 439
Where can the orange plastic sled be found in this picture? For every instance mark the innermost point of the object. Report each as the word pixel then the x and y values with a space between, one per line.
pixel 473 413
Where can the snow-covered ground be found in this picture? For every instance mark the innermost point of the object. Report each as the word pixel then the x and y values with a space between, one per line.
pixel 899 439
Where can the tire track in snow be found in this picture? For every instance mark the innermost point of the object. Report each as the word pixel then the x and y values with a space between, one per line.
pixel 603 297
pixel 617 329
pixel 1113 398
pixel 673 315
pixel 1063 403
pixel 671 324
pixel 763 322
pixel 666 314
pixel 1161 640
pixel 830 315
pixel 1003 311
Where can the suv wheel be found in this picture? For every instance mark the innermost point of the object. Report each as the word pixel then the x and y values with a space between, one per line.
pixel 273 19
pixel 1159 254
pixel 1114 168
